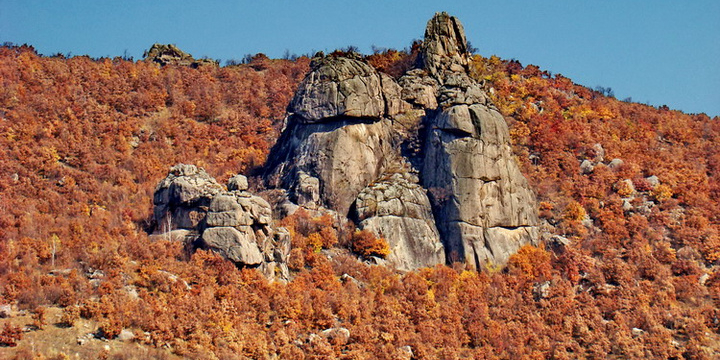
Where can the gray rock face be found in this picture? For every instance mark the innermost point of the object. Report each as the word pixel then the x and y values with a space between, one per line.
pixel 484 207
pixel 339 86
pixel 236 224
pixel 333 160
pixel 235 245
pixel 181 199
pixel 445 47
pixel 397 208
pixel 352 134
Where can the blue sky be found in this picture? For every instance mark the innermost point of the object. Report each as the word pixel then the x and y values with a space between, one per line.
pixel 659 52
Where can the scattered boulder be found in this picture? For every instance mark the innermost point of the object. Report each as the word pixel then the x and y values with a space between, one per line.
pixel 337 335
pixel 237 183
pixel 126 335
pixel 586 167
pixel 405 353
pixel 599 153
pixel 5 311
pixel 653 181
pixel 615 163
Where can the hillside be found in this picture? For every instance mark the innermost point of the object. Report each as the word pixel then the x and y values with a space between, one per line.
pixel 627 195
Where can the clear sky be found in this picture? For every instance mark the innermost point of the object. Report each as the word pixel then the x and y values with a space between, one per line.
pixel 655 51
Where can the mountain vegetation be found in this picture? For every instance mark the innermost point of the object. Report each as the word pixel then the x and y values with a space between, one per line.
pixel 628 195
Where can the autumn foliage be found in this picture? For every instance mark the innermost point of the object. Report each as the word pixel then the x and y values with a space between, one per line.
pixel 83 143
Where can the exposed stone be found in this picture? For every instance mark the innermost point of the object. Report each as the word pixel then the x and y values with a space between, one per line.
pixel 344 157
pixel 171 55
pixel 179 235
pixel 599 153
pixel 5 311
pixel 237 246
pixel 541 290
pixel 397 208
pixel 586 167
pixel 351 128
pixel 420 89
pixel 445 47
pixel 405 353
pixel 126 335
pixel 337 335
pixel 235 223
pixel 237 182
pixel 615 163
pixel 181 198
pixel 653 181
pixel 485 209
pixel 338 86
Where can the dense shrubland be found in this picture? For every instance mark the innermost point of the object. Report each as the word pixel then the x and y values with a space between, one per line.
pixel 83 143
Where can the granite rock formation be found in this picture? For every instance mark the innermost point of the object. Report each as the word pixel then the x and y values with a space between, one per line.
pixel 171 55
pixel 423 161
pixel 191 206
pixel 483 204
pixel 341 150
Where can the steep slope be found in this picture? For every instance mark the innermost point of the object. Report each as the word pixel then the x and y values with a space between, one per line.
pixel 631 272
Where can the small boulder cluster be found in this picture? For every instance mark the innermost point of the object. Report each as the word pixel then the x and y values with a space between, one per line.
pixel 192 207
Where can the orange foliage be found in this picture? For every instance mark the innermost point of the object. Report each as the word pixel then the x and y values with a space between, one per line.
pixel 83 143
pixel 367 244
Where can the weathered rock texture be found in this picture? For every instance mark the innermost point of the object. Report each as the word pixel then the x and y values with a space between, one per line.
pixel 484 206
pixel 182 198
pixel 348 146
pixel 341 142
pixel 171 55
pixel 234 223
pixel 397 208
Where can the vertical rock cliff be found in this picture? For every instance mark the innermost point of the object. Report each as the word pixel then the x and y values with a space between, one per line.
pixel 340 150
pixel 484 207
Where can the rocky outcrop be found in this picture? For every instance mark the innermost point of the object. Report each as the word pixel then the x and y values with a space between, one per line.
pixel 424 162
pixel 484 207
pixel 182 198
pixel 353 143
pixel 397 209
pixel 171 55
pixel 340 140
pixel 228 220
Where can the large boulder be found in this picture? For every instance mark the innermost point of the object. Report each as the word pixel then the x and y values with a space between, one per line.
pixel 338 86
pixel 181 199
pixel 397 209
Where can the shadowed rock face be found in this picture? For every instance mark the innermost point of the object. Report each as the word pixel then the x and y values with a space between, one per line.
pixel 341 150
